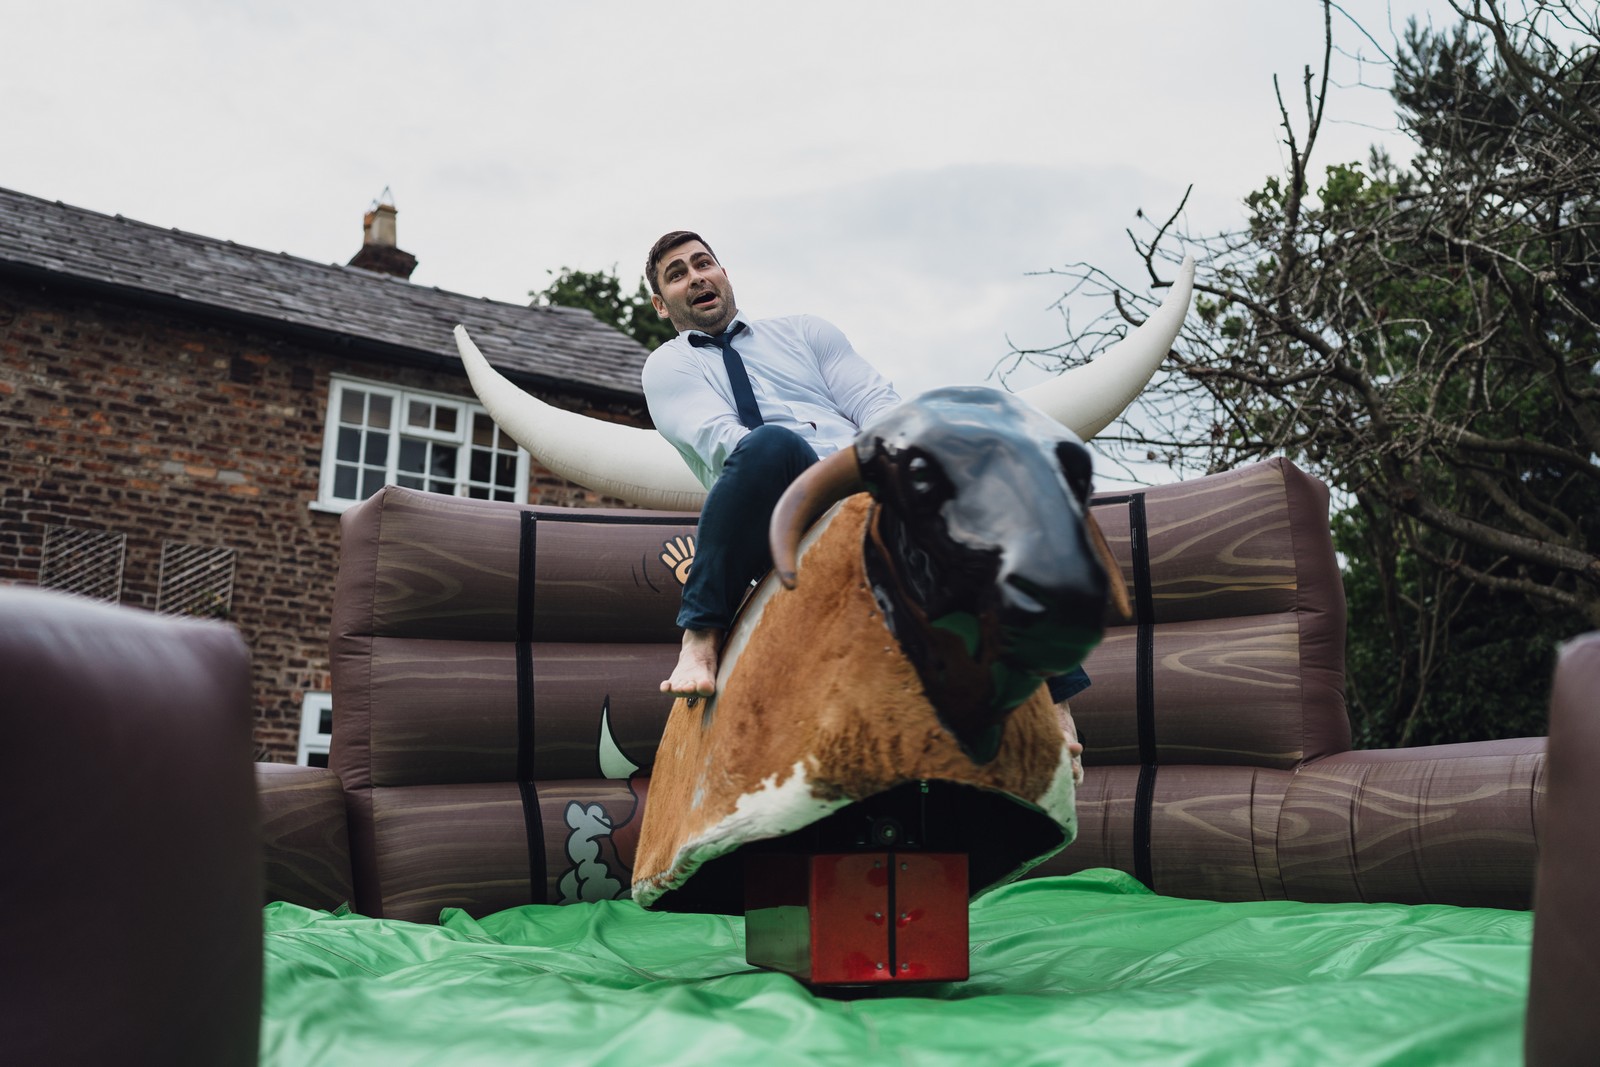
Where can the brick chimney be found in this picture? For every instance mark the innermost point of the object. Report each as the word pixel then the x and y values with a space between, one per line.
pixel 378 249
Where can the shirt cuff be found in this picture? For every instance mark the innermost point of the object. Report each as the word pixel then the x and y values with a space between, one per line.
pixel 1065 686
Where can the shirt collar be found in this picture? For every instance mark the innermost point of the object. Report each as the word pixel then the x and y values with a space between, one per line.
pixel 738 316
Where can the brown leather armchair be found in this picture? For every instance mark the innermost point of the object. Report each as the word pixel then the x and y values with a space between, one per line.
pixel 130 903
pixel 1563 1028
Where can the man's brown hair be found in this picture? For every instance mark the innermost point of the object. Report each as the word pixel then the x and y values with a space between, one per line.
pixel 664 244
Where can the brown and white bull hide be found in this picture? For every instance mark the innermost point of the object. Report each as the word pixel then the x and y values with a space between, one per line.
pixel 780 747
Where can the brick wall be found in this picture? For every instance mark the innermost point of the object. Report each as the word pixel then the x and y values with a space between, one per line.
pixel 118 420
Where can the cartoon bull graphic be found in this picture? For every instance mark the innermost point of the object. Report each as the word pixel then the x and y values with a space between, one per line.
pixel 884 685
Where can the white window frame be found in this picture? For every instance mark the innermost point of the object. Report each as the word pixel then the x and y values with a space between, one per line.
pixel 312 738
pixel 400 401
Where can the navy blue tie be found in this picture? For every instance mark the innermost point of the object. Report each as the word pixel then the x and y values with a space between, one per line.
pixel 744 398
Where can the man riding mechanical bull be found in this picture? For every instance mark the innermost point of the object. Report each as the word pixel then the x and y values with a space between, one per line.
pixel 749 404
pixel 936 609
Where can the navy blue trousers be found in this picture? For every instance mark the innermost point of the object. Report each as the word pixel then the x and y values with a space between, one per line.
pixel 730 545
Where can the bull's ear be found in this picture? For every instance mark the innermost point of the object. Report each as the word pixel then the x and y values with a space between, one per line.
pixel 1076 466
pixel 1117 588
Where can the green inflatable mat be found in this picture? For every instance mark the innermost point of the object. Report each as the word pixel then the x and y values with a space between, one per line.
pixel 1088 969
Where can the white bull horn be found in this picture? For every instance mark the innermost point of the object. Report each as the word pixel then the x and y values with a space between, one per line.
pixel 1089 398
pixel 635 465
pixel 641 467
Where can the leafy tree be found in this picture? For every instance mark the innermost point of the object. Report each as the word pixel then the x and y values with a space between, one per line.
pixel 1424 337
pixel 600 293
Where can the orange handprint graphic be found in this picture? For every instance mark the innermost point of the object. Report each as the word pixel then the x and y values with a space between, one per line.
pixel 678 554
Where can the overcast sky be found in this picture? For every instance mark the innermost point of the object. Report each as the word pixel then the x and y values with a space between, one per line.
pixel 898 167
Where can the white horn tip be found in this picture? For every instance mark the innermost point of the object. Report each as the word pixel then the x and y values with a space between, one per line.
pixel 1087 399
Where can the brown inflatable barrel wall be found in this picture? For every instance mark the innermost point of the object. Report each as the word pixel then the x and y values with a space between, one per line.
pixel 482 653
pixel 479 648
pixel 1217 762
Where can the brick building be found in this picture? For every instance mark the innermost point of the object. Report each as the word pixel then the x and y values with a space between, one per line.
pixel 182 420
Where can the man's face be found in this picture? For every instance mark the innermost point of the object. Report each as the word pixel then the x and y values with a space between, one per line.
pixel 695 293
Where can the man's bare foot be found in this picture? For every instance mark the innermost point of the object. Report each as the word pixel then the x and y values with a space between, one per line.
pixel 696 672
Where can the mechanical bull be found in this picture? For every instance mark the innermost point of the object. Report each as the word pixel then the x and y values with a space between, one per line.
pixel 883 688
pixel 886 690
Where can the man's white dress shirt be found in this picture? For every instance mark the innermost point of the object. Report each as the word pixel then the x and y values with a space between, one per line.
pixel 804 374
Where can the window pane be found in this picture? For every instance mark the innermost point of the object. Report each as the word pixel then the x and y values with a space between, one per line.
pixel 348 447
pixel 316 759
pixel 350 406
pixel 325 721
pixel 373 442
pixel 413 454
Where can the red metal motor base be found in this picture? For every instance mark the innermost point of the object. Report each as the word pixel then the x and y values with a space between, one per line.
pixel 852 918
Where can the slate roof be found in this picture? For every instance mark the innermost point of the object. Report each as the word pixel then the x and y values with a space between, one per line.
pixel 374 315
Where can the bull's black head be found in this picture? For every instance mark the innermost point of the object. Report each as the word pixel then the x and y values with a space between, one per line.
pixel 979 551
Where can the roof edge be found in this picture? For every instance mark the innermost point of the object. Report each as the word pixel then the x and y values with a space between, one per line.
pixel 349 342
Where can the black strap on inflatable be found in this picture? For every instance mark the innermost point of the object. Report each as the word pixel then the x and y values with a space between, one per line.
pixel 533 820
pixel 1145 696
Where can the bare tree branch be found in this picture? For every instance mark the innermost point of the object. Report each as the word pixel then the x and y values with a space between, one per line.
pixel 1425 337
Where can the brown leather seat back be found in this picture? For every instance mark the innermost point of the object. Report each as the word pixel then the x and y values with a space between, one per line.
pixel 130 898
pixel 1562 1025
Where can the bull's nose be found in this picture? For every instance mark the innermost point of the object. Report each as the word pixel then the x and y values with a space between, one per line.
pixel 1078 600
pixel 1023 596
pixel 1051 628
